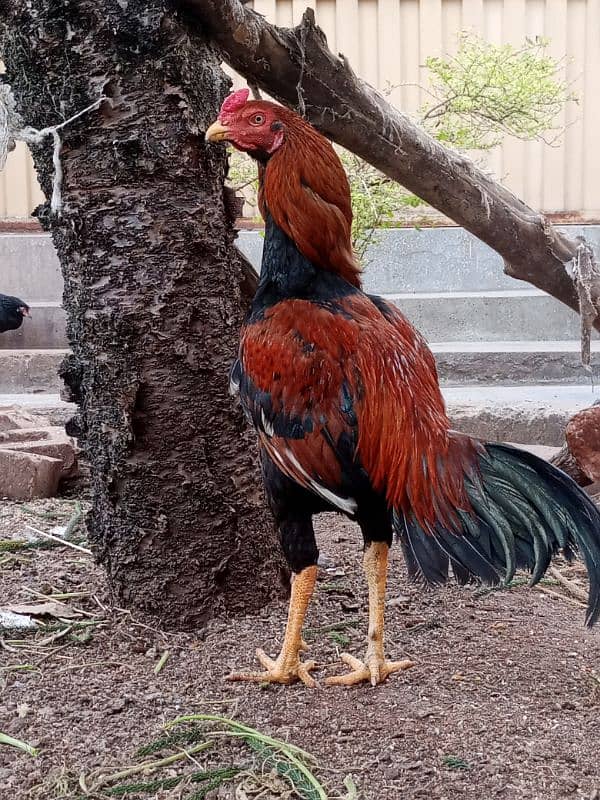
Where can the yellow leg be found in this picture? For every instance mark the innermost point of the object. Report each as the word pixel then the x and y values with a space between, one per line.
pixel 288 668
pixel 374 668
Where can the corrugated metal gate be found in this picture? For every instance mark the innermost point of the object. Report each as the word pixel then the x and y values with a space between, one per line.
pixel 387 42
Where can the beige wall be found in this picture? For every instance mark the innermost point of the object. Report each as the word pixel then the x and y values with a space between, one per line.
pixel 387 42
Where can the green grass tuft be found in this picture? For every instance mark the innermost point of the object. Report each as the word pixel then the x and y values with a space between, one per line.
pixel 455 762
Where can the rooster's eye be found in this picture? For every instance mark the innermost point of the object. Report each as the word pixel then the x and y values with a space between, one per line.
pixel 257 119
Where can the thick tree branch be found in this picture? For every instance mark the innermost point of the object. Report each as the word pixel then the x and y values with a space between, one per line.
pixel 296 67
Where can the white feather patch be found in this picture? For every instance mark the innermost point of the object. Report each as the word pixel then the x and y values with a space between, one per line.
pixel 346 504
pixel 267 427
pixel 234 386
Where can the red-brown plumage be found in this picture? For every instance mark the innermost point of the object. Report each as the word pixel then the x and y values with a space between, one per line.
pixel 306 190
pixel 302 381
pixel 305 187
pixel 344 395
pixel 403 431
pixel 404 441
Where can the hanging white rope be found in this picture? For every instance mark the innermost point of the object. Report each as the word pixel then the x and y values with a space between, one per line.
pixel 13 130
pixel 586 276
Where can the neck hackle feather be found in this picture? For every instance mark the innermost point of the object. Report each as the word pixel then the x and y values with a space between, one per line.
pixel 305 189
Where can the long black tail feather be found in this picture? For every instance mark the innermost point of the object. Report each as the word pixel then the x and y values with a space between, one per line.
pixel 523 512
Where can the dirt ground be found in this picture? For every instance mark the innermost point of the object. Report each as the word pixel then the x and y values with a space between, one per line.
pixel 503 702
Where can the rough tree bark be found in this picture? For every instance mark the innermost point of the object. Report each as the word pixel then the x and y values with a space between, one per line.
pixel 152 294
pixel 296 67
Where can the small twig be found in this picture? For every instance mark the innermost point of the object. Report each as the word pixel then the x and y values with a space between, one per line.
pixel 56 595
pixel 95 664
pixel 52 653
pixel 162 661
pixel 571 587
pixel 100 603
pixel 157 631
pixel 99 780
pixel 54 636
pixel 545 590
pixel 59 539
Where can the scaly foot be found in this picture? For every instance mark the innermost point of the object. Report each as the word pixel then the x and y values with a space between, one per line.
pixel 279 671
pixel 374 668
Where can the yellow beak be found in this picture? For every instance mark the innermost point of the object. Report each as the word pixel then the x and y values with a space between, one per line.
pixel 216 133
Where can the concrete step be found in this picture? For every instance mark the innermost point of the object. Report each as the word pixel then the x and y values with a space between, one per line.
pixel 528 414
pixel 449 284
pixel 459 364
pixel 535 415
pixel 508 363
pixel 449 317
pixel 526 315
pixel 30 371
pixel 428 259
pixel 45 329
pixel 399 260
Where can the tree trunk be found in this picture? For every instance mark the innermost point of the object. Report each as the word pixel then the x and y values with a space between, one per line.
pixel 152 294
pixel 296 67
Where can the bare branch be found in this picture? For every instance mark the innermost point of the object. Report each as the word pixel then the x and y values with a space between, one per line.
pixel 345 108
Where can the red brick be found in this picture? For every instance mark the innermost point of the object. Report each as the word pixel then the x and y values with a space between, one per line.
pixel 11 418
pixel 25 435
pixel 64 451
pixel 25 476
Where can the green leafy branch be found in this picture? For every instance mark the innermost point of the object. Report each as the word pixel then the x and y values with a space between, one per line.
pixel 488 91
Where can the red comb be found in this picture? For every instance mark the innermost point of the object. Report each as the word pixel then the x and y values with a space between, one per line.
pixel 236 100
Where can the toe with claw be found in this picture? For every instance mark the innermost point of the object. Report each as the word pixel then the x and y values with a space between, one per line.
pixel 282 670
pixel 373 669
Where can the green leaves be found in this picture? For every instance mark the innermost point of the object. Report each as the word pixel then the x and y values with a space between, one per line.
pixel 488 91
pixel 376 200
pixel 455 762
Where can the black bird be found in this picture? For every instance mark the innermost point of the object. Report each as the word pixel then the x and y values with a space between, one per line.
pixel 12 311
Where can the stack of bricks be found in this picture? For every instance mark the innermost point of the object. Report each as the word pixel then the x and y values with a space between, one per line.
pixel 34 456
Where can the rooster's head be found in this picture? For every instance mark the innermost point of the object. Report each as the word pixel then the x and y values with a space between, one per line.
pixel 256 126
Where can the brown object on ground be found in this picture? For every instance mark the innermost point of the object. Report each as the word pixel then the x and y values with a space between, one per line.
pixel 24 476
pixel 580 456
pixel 63 451
pixel 295 66
pixel 503 702
pixel 583 440
pixel 375 668
pixel 288 668
pixel 48 441
pixel 12 418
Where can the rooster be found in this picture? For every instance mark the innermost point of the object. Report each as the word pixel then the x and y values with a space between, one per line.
pixel 344 395
pixel 12 312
